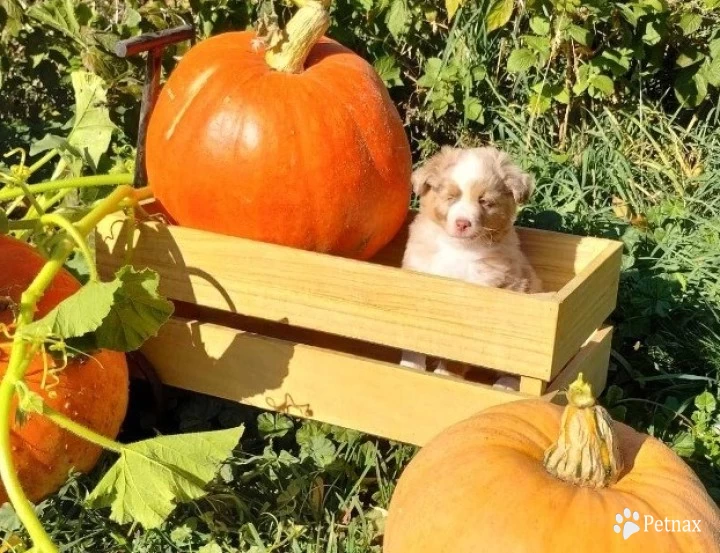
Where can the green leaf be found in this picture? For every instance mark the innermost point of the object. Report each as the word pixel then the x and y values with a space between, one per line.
pixel 388 71
pixel 706 402
pixel 181 535
pixel 92 128
pixel 540 44
pixel 689 55
pixel 711 71
pixel 579 34
pixel 13 20
pixel 714 48
pixel 122 313
pixel 274 426
pixel 540 25
pixel 132 18
pixel 690 87
pixel 397 19
pixel 479 72
pixel 152 476
pixel 690 23
pixel 604 84
pixel 499 14
pixel 79 314
pixel 4 223
pixel 539 103
pixel 211 547
pixel 474 110
pixel 452 6
pixel 58 15
pixel 319 449
pixel 47 142
pixel 683 444
pixel 520 60
pixel 562 95
pixel 654 32
pixel 137 312
pixel 433 67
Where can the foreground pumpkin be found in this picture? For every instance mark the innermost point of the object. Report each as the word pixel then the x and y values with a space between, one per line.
pixel 92 391
pixel 300 145
pixel 528 477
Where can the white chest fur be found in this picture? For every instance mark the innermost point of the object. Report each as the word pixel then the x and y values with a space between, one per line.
pixel 430 250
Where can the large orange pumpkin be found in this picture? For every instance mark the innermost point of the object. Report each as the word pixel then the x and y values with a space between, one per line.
pixel 527 478
pixel 308 151
pixel 93 392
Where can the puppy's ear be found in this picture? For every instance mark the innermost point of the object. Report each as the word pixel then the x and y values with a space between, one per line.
pixel 425 175
pixel 421 180
pixel 520 183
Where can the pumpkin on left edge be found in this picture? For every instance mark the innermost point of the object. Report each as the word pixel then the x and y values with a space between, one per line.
pixel 92 391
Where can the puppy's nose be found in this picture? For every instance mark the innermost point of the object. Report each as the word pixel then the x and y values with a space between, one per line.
pixel 462 224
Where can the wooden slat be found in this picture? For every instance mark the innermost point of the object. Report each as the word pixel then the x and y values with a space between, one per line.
pixel 586 302
pixel 532 386
pixel 441 317
pixel 592 360
pixel 372 396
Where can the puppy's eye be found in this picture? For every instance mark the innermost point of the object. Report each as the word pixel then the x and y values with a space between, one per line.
pixel 486 203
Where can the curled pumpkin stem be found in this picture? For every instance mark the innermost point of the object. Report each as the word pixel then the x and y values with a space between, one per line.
pixel 586 452
pixel 288 49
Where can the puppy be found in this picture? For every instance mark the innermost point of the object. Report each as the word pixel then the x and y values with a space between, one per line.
pixel 464 230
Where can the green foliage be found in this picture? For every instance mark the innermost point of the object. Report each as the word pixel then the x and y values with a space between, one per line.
pixel 151 476
pixel 119 315
pixel 268 496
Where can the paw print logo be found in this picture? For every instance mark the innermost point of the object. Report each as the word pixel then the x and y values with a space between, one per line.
pixel 627 523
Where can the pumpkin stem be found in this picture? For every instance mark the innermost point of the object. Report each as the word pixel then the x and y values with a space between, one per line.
pixel 586 452
pixel 288 49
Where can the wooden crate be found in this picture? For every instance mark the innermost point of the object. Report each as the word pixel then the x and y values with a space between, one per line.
pixel 319 336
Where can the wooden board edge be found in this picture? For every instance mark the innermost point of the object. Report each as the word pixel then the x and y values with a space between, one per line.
pixel 585 303
pixel 592 360
pixel 371 396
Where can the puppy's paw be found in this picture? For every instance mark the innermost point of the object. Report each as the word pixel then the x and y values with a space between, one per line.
pixel 412 360
pixel 507 383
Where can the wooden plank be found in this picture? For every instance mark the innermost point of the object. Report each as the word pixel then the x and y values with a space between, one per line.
pixel 532 386
pixel 592 360
pixel 585 303
pixel 446 318
pixel 371 396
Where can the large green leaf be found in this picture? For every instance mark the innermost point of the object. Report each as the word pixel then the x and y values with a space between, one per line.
pixel 122 313
pixel 92 128
pixel 499 14
pixel 152 476
pixel 81 313
pixel 137 312
pixel 58 15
